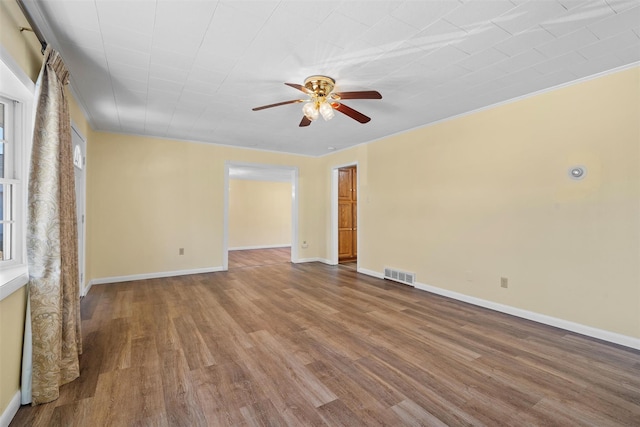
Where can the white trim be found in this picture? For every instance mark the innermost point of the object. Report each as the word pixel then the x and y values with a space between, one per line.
pixel 38 16
pixel 536 317
pixel 371 273
pixel 18 86
pixel 295 201
pixel 225 219
pixel 12 280
pixel 567 325
pixel 334 210
pixel 491 106
pixel 11 410
pixel 158 275
pixel 315 259
pixel 86 289
pixel 82 249
pixel 334 216
pixel 17 71
pixel 246 248
pixel 293 170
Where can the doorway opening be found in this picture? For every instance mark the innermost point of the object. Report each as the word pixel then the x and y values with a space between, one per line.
pixel 79 165
pixel 345 215
pixel 260 214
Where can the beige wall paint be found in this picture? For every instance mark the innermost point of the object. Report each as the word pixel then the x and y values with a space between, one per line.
pixel 467 201
pixel 461 203
pixel 22 46
pixel 25 50
pixel 12 313
pixel 259 213
pixel 147 197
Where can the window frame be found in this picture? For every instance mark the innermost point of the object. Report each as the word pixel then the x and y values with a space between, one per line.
pixel 11 182
pixel 15 85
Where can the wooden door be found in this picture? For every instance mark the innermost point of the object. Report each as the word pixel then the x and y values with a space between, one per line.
pixel 347 214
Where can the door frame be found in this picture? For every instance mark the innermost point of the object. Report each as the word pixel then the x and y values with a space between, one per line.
pixel 293 171
pixel 82 245
pixel 334 212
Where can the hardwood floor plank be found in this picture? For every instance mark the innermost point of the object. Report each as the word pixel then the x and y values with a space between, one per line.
pixel 336 413
pixel 116 337
pixel 179 392
pixel 275 343
pixel 193 345
pixel 224 387
pixel 125 396
pixel 75 414
pixel 412 414
pixel 444 404
pixel 259 257
pixel 262 414
pixel 301 380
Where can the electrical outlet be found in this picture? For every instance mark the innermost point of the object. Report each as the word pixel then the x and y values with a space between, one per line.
pixel 305 245
pixel 504 282
pixel 181 251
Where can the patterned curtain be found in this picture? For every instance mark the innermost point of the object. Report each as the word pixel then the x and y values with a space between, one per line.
pixel 52 244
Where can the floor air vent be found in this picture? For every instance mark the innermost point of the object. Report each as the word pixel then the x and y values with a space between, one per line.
pixel 400 276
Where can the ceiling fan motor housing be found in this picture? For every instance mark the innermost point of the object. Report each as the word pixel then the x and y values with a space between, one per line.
pixel 320 86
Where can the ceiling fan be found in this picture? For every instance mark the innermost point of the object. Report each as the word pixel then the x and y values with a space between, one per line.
pixel 322 100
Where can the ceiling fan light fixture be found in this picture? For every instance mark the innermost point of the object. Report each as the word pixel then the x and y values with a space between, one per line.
pixel 321 100
pixel 327 111
pixel 310 110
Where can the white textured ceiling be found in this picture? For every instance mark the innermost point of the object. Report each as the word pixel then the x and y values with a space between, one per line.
pixel 192 70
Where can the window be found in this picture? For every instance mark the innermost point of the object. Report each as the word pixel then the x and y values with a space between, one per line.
pixel 16 129
pixel 8 181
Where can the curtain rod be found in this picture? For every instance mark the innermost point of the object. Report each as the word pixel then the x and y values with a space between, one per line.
pixel 34 27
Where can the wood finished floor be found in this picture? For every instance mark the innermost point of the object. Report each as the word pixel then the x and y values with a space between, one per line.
pixel 258 257
pixel 312 344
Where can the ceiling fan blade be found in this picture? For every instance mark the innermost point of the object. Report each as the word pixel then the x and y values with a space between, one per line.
pixel 363 94
pixel 355 115
pixel 300 88
pixel 293 101
pixel 305 121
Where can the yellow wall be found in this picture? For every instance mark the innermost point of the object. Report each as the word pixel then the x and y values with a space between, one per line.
pixel 467 201
pixel 148 197
pixel 259 213
pixel 24 48
pixel 461 203
pixel 12 313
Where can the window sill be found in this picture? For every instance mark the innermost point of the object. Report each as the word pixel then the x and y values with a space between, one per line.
pixel 12 279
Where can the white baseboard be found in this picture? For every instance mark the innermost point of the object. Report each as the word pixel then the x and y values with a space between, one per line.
pixel 316 259
pixel 11 410
pixel 537 317
pixel 371 273
pixel 245 248
pixel 158 275
pixel 87 288
pixel 567 325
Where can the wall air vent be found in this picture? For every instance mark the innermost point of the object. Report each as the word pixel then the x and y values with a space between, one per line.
pixel 400 276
